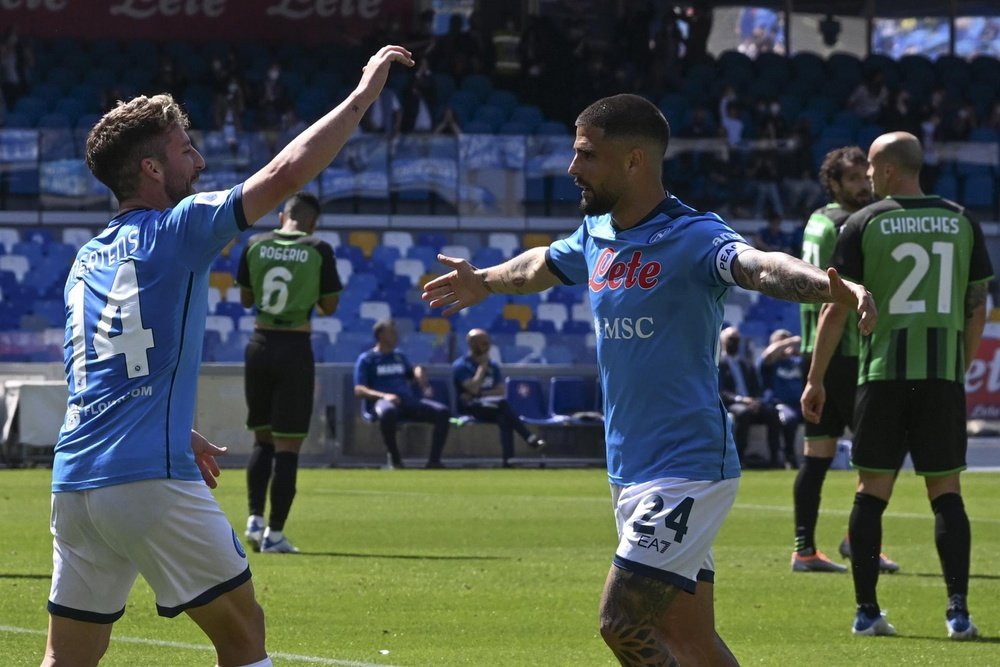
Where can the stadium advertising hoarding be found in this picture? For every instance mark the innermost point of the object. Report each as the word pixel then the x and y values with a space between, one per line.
pixel 982 382
pixel 202 20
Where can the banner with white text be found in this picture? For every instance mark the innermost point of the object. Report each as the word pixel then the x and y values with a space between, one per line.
pixel 305 21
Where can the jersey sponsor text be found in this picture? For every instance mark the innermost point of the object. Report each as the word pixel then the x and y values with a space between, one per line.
pixel 615 274
pixel 624 328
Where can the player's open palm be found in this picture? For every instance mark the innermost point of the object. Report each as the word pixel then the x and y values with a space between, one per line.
pixel 376 72
pixel 856 296
pixel 458 289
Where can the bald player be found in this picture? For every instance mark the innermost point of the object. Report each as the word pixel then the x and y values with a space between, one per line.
pixel 924 260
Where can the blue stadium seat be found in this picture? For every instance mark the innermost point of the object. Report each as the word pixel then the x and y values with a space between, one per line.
pixel 569 395
pixel 477 84
pixel 527 399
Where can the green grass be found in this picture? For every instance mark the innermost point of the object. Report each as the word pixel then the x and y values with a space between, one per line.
pixel 504 568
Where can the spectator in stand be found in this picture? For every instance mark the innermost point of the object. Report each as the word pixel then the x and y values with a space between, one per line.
pixel 700 125
pixel 480 390
pixel 16 64
pixel 385 117
pixel 870 98
pixel 765 174
pixel 228 112
pixel 419 102
pixel 780 370
pixel 421 38
pixel 385 379
pixel 169 77
pixel 732 123
pixel 272 99
pixel 456 52
pixel 742 395
pixel 771 237
pixel 802 191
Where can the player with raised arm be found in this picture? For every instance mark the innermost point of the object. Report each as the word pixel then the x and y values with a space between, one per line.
pixel 658 272
pixel 129 476
pixel 924 258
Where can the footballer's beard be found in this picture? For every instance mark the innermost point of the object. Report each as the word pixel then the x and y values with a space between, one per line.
pixel 859 200
pixel 593 202
pixel 178 189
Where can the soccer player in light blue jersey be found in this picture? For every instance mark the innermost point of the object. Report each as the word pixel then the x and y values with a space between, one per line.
pixel 130 478
pixel 658 272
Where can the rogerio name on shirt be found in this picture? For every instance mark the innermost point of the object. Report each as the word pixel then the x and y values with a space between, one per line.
pixel 923 224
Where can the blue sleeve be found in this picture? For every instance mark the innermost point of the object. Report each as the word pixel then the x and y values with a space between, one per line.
pixel 460 373
pixel 714 244
pixel 495 372
pixel 204 223
pixel 361 371
pixel 567 259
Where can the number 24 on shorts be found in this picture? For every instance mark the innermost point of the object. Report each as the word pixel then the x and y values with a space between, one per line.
pixel 676 520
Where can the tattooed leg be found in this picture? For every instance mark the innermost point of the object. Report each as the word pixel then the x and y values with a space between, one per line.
pixel 632 614
pixel 648 622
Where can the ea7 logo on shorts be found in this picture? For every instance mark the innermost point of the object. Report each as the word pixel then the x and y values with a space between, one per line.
pixel 628 274
pixel 648 528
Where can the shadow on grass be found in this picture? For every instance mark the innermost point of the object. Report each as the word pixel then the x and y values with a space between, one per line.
pixel 940 638
pixel 938 575
pixel 25 576
pixel 347 554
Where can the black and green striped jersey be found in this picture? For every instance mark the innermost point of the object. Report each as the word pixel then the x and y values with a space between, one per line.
pixel 818 241
pixel 917 256
pixel 288 272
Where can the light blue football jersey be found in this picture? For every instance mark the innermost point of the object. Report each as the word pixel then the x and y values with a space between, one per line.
pixel 657 292
pixel 136 301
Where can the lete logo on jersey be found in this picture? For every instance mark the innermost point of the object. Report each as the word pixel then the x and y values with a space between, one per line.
pixel 628 274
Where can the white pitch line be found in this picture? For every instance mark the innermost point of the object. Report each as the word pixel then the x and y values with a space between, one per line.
pixel 201 647
pixel 787 509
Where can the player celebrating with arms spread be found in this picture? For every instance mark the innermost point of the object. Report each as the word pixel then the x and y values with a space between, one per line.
pixel 658 273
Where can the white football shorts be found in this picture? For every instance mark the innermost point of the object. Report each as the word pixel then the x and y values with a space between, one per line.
pixel 172 532
pixel 666 528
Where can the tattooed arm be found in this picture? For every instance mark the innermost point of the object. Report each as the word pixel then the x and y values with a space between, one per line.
pixel 466 285
pixel 782 276
pixel 975 319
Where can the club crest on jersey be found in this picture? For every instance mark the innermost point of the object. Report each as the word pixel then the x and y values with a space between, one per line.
pixel 614 274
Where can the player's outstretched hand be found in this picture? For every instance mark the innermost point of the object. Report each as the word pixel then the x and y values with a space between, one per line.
pixel 376 72
pixel 457 289
pixel 856 296
pixel 204 455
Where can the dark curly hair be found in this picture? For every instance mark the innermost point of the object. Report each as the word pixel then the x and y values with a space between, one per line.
pixel 837 161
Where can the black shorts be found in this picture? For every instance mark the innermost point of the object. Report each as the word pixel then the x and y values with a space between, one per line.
pixel 923 417
pixel 280 382
pixel 841 383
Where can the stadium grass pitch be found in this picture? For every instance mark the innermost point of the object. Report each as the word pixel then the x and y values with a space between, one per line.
pixel 504 568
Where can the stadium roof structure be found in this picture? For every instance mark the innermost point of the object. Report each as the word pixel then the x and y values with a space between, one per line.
pixel 880 8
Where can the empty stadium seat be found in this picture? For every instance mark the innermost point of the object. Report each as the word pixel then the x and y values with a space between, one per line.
pixel 505 242
pixel 363 239
pixel 557 313
pixel 17 264
pixel 402 241
pixel 375 310
pixel 411 268
pixel 572 395
pixel 519 313
pixel 222 324
pixel 526 397
pixel 460 251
